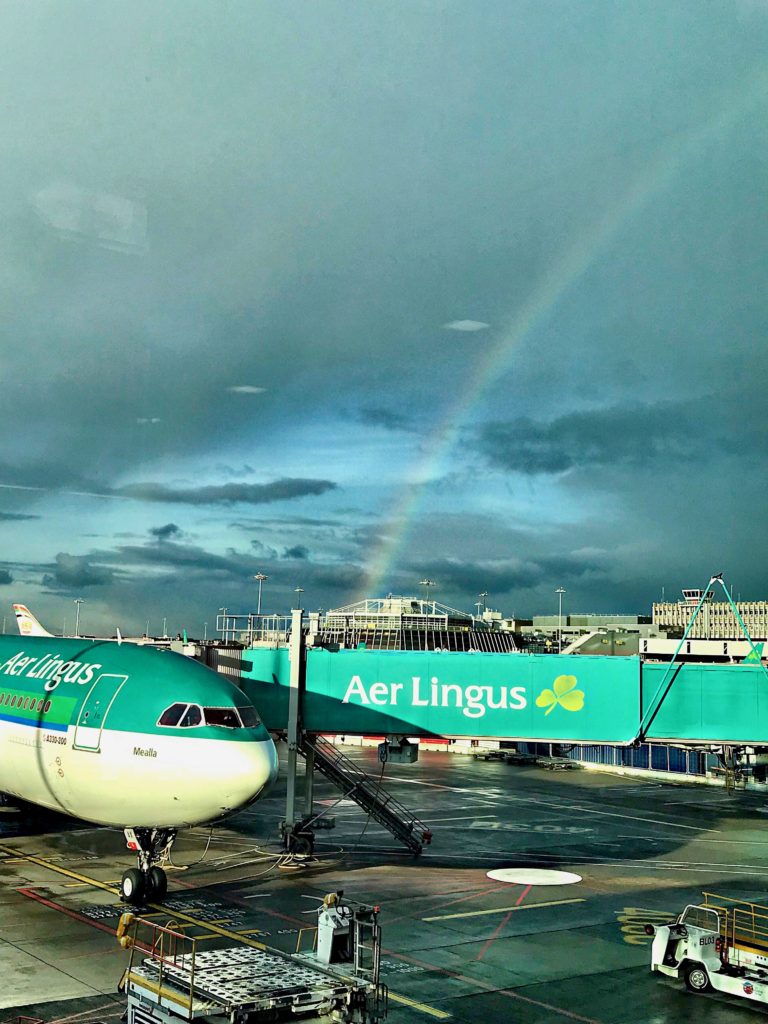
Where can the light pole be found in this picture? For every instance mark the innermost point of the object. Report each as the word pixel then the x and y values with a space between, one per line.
pixel 77 602
pixel 146 631
pixel 427 584
pixel 260 576
pixel 165 631
pixel 205 631
pixel 223 630
pixel 482 595
pixel 298 590
pixel 560 591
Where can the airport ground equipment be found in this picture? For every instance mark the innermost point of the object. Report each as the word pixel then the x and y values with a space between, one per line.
pixel 322 756
pixel 489 755
pixel 720 944
pixel 367 792
pixel 170 978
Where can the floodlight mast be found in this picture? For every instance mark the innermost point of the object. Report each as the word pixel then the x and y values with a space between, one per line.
pixel 560 591
pixel 260 577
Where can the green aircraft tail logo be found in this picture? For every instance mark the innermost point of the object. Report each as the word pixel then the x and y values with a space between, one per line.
pixel 564 693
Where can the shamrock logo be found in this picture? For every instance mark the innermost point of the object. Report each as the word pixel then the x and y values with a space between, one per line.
pixel 563 693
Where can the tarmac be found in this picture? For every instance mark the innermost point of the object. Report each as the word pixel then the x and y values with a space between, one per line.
pixel 457 945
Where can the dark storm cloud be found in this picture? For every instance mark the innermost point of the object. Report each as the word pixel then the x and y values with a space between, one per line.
pixel 297 551
pixel 75 571
pixel 165 532
pixel 631 435
pixel 504 576
pixel 249 494
pixel 16 516
pixel 173 555
pixel 378 416
pixel 5 577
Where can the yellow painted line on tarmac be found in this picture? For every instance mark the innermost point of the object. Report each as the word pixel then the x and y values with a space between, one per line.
pixel 215 929
pixel 502 910
pixel 74 885
pixel 431 1011
pixel 41 862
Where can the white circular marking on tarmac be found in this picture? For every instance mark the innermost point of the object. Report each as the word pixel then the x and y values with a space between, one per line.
pixel 533 876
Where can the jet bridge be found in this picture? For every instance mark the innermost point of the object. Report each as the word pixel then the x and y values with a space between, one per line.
pixel 554 698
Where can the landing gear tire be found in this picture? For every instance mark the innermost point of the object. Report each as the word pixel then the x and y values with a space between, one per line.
pixel 697 979
pixel 132 886
pixel 157 884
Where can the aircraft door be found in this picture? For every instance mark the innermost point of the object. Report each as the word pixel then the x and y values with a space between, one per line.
pixel 94 711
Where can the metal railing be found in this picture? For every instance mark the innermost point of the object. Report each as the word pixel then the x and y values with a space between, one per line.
pixel 743 922
pixel 164 948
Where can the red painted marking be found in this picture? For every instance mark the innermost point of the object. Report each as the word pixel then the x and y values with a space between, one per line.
pixel 523 894
pixel 31 894
pixel 450 903
pixel 94 1012
pixel 496 934
pixel 493 938
pixel 486 986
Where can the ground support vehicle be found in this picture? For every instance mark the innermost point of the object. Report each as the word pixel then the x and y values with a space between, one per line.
pixel 557 764
pixel 489 755
pixel 171 979
pixel 720 944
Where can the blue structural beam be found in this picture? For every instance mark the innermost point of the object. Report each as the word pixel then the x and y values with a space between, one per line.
pixel 546 697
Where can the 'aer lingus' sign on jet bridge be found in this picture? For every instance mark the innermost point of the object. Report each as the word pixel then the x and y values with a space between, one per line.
pixel 516 696
pixel 453 694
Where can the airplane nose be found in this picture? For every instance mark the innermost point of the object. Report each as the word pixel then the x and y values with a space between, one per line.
pixel 252 775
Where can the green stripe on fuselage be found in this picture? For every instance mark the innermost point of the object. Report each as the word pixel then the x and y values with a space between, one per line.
pixel 67 669
pixel 12 705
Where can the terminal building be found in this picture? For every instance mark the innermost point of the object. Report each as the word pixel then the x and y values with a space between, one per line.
pixel 411 624
pixel 716 621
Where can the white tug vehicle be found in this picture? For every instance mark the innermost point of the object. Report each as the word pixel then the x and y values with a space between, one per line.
pixel 720 945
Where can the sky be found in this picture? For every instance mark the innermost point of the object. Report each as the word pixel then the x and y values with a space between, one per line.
pixel 356 294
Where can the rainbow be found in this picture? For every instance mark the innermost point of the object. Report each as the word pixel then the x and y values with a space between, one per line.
pixel 568 270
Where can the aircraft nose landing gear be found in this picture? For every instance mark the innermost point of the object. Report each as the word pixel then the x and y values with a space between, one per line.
pixel 148 881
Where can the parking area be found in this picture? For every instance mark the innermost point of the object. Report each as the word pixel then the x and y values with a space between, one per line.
pixel 458 944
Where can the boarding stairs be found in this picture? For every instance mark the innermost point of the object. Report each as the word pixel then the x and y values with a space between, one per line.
pixel 367 792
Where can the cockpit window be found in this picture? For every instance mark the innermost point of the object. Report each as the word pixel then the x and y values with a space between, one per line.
pixel 192 716
pixel 248 717
pixel 226 717
pixel 171 716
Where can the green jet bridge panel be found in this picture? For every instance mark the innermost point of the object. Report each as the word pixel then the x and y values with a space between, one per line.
pixel 555 697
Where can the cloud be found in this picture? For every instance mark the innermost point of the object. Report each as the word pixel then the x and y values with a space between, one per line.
pixel 620 436
pixel 5 577
pixel 506 575
pixel 377 416
pixel 466 325
pixel 148 419
pixel 297 551
pixel 16 516
pixel 109 220
pixel 246 389
pixel 165 532
pixel 250 494
pixel 76 571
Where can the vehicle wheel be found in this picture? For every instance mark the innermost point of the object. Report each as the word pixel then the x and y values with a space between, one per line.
pixel 132 886
pixel 696 978
pixel 157 885
pixel 301 845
